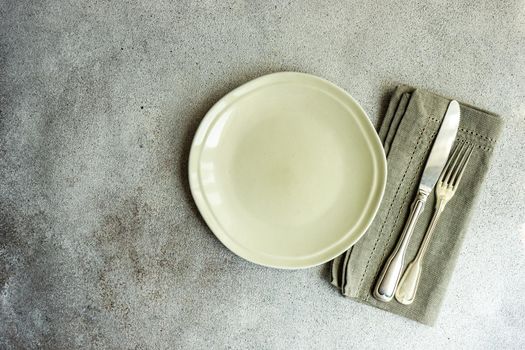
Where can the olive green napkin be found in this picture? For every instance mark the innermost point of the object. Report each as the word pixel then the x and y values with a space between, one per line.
pixel 407 132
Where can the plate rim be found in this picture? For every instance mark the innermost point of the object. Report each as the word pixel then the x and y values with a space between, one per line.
pixel 213 113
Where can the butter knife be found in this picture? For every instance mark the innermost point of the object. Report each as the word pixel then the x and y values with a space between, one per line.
pixel 389 278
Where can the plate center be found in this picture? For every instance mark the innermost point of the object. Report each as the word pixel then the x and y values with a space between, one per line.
pixel 288 170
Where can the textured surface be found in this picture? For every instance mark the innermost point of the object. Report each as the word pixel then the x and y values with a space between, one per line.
pixel 101 244
pixel 409 127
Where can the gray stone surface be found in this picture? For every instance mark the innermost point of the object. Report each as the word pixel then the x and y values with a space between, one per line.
pixel 101 244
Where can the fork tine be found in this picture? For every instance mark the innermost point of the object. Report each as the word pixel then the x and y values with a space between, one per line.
pixel 446 169
pixel 457 163
pixel 447 164
pixel 449 168
pixel 462 165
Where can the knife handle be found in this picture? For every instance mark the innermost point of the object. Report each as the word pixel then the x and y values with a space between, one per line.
pixel 391 273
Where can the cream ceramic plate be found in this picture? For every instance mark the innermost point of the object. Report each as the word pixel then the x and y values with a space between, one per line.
pixel 287 170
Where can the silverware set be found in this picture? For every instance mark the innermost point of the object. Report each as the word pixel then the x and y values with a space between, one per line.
pixel 445 190
pixel 444 173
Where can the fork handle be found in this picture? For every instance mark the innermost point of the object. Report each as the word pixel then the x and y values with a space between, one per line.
pixel 391 273
pixel 406 291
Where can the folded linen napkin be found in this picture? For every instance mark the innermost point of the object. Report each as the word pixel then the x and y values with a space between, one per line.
pixel 407 132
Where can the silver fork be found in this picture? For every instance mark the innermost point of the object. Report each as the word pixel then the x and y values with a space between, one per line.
pixel 445 189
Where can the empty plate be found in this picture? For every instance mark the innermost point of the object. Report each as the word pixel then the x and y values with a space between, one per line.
pixel 287 170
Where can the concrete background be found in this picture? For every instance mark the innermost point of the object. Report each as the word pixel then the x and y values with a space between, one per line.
pixel 101 244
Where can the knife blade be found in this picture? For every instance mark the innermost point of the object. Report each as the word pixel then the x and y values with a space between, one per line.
pixel 389 278
pixel 441 148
